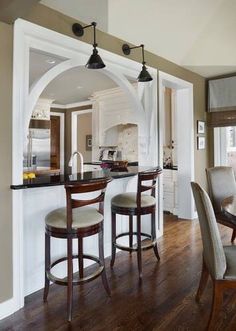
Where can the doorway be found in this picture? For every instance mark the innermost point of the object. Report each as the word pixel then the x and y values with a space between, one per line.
pixel 81 128
pixel 184 144
pixel 57 154
pixel 55 142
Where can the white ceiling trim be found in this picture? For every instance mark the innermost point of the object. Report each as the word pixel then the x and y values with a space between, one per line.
pixel 71 105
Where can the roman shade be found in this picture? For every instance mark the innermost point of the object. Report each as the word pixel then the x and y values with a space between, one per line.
pixel 222 102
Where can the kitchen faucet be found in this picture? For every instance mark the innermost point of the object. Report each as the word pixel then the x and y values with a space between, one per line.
pixel 70 164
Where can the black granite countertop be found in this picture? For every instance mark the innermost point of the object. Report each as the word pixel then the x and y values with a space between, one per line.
pixel 53 180
pixel 170 167
pixel 135 163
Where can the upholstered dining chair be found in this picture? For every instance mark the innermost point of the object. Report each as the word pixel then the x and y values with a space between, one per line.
pixel 222 184
pixel 219 262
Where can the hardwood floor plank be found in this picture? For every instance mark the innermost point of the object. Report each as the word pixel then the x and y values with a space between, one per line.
pixel 165 300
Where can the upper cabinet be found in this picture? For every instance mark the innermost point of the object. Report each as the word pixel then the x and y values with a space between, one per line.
pixel 114 123
pixel 114 108
pixel 42 109
pixel 40 118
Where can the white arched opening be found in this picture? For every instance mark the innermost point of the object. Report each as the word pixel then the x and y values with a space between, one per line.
pixel 27 36
pixel 119 78
pixel 116 76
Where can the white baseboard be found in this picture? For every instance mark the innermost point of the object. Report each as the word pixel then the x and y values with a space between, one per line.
pixel 7 308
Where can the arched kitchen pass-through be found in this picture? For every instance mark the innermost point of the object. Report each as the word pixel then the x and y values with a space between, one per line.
pixel 28 36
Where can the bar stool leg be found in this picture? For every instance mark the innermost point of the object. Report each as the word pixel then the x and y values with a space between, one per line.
pixel 47 266
pixel 130 232
pixel 153 220
pixel 139 250
pixel 101 258
pixel 80 257
pixel 69 279
pixel 113 239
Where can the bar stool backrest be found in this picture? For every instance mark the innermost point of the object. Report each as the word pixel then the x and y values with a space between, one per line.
pixel 147 176
pixel 77 188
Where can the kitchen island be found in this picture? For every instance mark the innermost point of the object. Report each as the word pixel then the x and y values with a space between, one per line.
pixel 62 179
pixel 43 194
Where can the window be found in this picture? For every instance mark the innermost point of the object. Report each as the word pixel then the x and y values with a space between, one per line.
pixel 225 146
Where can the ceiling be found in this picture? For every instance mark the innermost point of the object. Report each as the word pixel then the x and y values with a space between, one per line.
pixel 196 34
pixel 74 85
pixel 86 11
pixel 40 63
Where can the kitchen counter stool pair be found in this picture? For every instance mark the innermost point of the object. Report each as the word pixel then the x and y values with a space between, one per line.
pixel 74 222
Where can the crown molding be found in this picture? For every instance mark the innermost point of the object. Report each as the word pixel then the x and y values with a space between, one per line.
pixel 71 105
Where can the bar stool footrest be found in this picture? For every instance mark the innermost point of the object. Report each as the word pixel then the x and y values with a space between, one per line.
pixel 135 249
pixel 76 281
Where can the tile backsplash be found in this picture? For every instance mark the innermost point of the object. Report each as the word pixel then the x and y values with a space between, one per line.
pixel 128 142
pixel 167 156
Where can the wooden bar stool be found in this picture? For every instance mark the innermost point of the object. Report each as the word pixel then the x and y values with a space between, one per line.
pixel 74 222
pixel 136 204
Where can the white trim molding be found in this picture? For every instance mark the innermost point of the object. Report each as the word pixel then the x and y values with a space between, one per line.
pixel 185 139
pixel 72 105
pixel 7 308
pixel 74 133
pixel 217 147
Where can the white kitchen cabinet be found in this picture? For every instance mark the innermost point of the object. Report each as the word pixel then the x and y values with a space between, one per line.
pixel 92 167
pixel 170 191
pixel 111 110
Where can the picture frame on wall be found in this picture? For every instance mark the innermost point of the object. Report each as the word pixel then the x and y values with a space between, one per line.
pixel 88 142
pixel 201 143
pixel 200 127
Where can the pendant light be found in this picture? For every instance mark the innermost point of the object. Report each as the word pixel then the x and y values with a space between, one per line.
pixel 95 61
pixel 144 75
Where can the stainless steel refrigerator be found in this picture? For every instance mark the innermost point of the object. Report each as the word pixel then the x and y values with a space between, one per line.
pixel 38 149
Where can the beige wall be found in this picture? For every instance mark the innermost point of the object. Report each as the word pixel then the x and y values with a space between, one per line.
pixel 5 162
pixel 55 21
pixel 167 103
pixel 84 127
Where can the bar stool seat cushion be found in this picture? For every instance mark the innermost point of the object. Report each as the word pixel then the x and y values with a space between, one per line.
pixel 82 217
pixel 128 200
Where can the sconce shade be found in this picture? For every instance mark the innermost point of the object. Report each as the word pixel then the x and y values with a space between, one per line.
pixel 95 61
pixel 144 75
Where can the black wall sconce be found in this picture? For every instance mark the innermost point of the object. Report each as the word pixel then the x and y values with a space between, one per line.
pixel 144 75
pixel 95 61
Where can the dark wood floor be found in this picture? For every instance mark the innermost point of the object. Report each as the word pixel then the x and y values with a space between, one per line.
pixel 164 301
